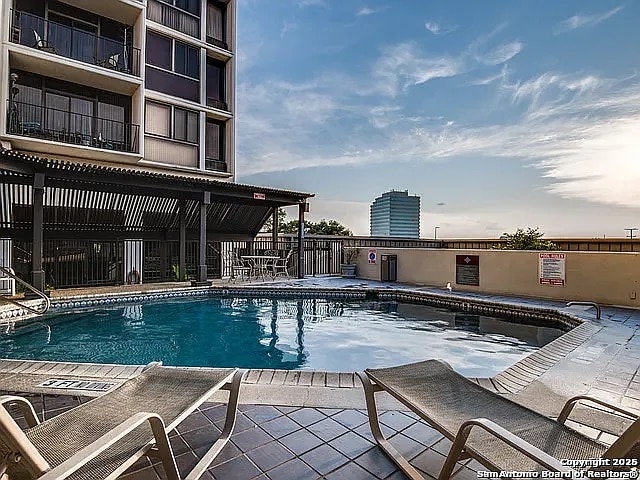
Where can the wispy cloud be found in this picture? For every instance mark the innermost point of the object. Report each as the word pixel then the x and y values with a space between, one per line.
pixel 365 11
pixel 404 65
pixel 439 29
pixel 287 27
pixel 311 3
pixel 433 27
pixel 584 20
pixel 501 53
pixel 502 76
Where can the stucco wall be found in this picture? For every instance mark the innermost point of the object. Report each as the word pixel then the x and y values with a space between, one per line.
pixel 610 278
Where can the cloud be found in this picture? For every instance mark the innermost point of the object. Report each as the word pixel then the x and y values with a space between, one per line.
pixel 433 27
pixel 364 11
pixel 584 20
pixel 501 54
pixel 287 27
pixel 439 29
pixel 403 65
pixel 311 3
pixel 502 75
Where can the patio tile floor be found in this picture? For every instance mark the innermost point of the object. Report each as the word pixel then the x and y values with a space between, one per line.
pixel 322 443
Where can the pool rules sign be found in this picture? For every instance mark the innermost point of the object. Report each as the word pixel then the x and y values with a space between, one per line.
pixel 552 269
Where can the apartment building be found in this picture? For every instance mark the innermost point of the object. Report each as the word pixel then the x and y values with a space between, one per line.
pixel 117 141
pixel 395 214
pixel 139 82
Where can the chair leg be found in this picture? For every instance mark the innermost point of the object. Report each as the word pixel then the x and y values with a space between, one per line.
pixel 374 424
pixel 229 423
pixel 163 449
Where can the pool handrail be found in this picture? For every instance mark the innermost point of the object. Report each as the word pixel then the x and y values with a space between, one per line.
pixel 591 304
pixel 47 301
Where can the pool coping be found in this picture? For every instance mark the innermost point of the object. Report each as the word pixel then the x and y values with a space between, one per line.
pixel 512 380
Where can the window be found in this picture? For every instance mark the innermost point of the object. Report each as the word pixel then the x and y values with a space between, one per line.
pixel 159 50
pixel 214 140
pixel 215 24
pixel 158 119
pixel 191 6
pixel 187 60
pixel 215 82
pixel 185 122
pixel 168 54
pixel 185 126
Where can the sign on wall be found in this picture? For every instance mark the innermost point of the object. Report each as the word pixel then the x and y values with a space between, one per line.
pixel 552 269
pixel 372 256
pixel 468 270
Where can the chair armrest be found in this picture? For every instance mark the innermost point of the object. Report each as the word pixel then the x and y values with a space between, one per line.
pixel 110 438
pixel 510 439
pixel 25 407
pixel 568 407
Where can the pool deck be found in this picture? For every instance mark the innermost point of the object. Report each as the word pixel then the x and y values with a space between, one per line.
pixel 304 424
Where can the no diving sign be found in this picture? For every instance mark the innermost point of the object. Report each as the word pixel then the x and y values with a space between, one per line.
pixel 372 256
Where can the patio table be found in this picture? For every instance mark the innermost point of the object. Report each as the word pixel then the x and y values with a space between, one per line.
pixel 260 263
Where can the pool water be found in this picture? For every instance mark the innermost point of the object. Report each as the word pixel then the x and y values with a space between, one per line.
pixel 278 333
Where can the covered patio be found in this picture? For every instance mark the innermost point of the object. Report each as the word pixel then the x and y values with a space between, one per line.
pixel 119 209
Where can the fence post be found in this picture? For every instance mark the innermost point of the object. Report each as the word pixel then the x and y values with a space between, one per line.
pixel 315 256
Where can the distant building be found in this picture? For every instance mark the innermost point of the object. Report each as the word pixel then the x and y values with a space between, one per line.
pixel 395 214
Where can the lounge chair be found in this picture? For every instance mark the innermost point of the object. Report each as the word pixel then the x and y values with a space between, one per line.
pixel 500 434
pixel 103 437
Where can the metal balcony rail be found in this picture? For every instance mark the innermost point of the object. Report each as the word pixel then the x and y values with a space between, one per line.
pixel 64 126
pixel 43 309
pixel 173 17
pixel 52 37
pixel 215 165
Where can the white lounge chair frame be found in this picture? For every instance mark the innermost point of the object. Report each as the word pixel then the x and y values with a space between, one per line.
pixel 23 451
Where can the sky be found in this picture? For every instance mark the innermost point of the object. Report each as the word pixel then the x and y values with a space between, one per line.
pixel 498 114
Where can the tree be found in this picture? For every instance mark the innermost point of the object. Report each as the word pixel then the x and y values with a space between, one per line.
pixel 268 225
pixel 531 239
pixel 323 227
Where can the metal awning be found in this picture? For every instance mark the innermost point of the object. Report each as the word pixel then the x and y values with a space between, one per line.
pixel 87 199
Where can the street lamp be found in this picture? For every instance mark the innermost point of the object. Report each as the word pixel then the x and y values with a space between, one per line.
pixel 435 232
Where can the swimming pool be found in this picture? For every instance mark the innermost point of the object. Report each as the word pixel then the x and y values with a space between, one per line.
pixel 309 333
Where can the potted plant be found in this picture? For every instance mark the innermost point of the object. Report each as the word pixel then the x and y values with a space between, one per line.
pixel 348 268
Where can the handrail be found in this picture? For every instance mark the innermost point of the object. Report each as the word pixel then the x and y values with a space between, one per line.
pixel 47 302
pixel 591 304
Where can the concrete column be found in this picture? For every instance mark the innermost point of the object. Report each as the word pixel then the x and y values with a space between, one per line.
pixel 182 248
pixel 301 210
pixel 274 228
pixel 202 269
pixel 38 280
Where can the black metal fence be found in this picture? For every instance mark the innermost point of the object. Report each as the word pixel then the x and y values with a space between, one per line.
pixel 73 263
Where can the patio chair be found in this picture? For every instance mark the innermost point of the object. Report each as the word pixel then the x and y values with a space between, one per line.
pixel 237 266
pixel 281 265
pixel 103 437
pixel 43 45
pixel 499 433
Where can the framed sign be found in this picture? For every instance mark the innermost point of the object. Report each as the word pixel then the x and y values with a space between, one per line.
pixel 552 269
pixel 372 256
pixel 468 270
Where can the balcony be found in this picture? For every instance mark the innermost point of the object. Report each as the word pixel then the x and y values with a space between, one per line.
pixel 64 126
pixel 173 17
pixel 75 43
pixel 215 165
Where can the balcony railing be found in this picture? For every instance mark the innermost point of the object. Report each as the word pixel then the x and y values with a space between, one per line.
pixel 63 126
pixel 69 42
pixel 173 17
pixel 215 165
pixel 219 104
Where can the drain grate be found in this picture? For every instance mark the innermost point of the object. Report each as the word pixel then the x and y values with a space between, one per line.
pixel 91 385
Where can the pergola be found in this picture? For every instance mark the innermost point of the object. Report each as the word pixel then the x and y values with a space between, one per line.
pixel 41 197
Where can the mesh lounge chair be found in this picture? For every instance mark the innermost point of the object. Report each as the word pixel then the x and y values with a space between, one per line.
pixel 103 437
pixel 497 432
